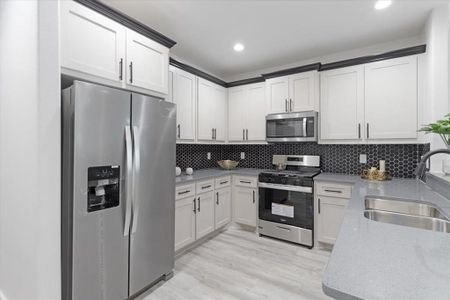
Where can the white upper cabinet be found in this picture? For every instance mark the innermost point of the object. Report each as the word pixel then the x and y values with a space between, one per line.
pixel 302 91
pixel 277 90
pixel 211 111
pixel 237 113
pixel 99 49
pixel 246 113
pixel 391 99
pixel 298 92
pixel 183 94
pixel 371 103
pixel 256 112
pixel 91 43
pixel 147 63
pixel 341 103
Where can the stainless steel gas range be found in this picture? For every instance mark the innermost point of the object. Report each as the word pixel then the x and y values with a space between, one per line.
pixel 286 199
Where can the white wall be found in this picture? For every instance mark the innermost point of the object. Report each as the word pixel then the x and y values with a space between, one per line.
pixel 437 79
pixel 332 57
pixel 29 150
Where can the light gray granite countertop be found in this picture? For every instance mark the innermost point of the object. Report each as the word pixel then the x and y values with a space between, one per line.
pixel 374 260
pixel 215 172
pixel 340 178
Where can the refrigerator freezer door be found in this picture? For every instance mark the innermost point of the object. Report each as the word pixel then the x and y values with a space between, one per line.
pixel 152 229
pixel 98 262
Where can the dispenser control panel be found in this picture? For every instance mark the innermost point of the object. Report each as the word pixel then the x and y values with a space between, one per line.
pixel 103 187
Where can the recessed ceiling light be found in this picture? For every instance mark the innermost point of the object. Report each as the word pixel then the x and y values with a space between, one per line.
pixel 382 4
pixel 238 47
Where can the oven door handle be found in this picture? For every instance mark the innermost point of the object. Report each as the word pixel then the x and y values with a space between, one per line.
pixel 304 127
pixel 300 189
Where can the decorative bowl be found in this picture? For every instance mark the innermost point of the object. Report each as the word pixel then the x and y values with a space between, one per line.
pixel 228 164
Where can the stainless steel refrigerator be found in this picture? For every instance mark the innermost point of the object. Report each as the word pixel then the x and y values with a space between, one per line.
pixel 118 192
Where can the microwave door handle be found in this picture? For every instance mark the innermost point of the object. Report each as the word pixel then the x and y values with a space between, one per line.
pixel 304 127
pixel 136 173
pixel 128 179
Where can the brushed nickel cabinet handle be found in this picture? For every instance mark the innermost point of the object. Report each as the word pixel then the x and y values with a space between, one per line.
pixel 243 134
pixel 217 199
pixel 286 105
pixel 359 130
pixel 206 187
pixel 184 192
pixel 253 196
pixel 368 136
pixel 290 104
pixel 131 72
pixel 121 69
pixel 318 206
pixel 246 134
pixel 195 206
pixel 243 181
pixel 333 191
pixel 198 204
pixel 179 130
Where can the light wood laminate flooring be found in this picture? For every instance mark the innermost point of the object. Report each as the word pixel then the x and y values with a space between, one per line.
pixel 238 264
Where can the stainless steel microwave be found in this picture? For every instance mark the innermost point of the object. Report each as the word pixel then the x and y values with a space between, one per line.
pixel 292 127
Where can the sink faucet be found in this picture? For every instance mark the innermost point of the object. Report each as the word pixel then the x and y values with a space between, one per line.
pixel 421 167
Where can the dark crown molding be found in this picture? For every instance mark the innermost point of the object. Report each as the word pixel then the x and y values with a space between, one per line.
pixel 306 68
pixel 373 58
pixel 245 81
pixel 196 71
pixel 127 21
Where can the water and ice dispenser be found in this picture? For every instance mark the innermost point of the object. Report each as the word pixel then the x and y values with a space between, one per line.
pixel 103 187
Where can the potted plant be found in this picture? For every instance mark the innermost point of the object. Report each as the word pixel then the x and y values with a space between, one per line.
pixel 441 128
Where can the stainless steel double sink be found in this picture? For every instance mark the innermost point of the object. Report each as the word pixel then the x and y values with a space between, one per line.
pixel 404 212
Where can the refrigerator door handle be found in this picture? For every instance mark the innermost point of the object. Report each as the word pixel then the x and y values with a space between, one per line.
pixel 136 173
pixel 128 179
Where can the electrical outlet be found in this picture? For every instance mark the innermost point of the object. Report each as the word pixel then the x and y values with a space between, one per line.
pixel 242 155
pixel 208 155
pixel 363 158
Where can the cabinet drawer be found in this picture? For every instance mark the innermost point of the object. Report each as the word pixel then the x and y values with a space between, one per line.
pixel 245 181
pixel 222 182
pixel 333 189
pixel 184 191
pixel 205 186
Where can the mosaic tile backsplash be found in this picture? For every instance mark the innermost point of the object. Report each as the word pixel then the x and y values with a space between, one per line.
pixel 401 160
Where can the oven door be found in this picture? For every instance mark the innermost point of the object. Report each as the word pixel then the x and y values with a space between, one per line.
pixel 292 205
pixel 294 127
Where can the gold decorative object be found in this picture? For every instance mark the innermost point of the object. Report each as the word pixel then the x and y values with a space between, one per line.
pixel 374 174
pixel 227 164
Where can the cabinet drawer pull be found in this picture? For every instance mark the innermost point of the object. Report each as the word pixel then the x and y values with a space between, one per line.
pixel 184 192
pixel 318 206
pixel 179 131
pixel 359 130
pixel 368 136
pixel 333 191
pixel 286 105
pixel 217 195
pixel 195 206
pixel 243 134
pixel 243 181
pixel 290 104
pixel 198 204
pixel 223 182
pixel 246 134
pixel 253 196
pixel 206 187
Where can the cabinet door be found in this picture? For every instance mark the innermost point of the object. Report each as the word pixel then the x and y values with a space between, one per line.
pixel 391 99
pixel 205 214
pixel 90 42
pixel 237 111
pixel 330 213
pixel 220 112
pixel 277 94
pixel 184 222
pixel 302 91
pixel 223 207
pixel 147 63
pixel 341 104
pixel 244 206
pixel 255 109
pixel 183 95
pixel 205 108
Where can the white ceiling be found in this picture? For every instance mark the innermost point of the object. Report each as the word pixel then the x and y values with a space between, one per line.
pixel 274 33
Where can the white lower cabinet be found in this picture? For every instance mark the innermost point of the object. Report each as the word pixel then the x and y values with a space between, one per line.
pixel 205 214
pixel 331 202
pixel 184 222
pixel 244 205
pixel 223 207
